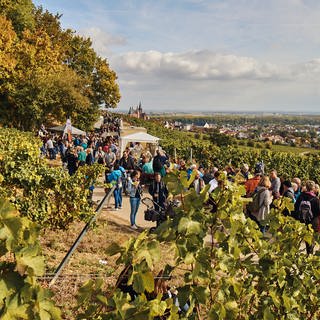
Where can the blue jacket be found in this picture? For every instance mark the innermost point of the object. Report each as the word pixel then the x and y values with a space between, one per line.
pixel 115 175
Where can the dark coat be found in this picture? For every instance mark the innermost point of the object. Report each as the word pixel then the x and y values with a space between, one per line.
pixel 315 207
pixel 159 192
pixel 289 194
pixel 127 164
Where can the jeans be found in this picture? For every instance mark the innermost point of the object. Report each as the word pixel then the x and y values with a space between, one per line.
pixel 118 197
pixel 52 154
pixel 134 203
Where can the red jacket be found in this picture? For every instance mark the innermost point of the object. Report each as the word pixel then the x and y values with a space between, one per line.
pixel 251 185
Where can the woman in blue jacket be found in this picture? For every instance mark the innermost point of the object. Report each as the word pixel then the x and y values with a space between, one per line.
pixel 115 178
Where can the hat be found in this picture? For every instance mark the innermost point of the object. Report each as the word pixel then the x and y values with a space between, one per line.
pixel 287 183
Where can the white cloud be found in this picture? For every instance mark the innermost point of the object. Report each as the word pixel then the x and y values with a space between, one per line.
pixel 208 65
pixel 197 65
pixel 103 41
pixel 258 53
pixel 308 70
pixel 206 80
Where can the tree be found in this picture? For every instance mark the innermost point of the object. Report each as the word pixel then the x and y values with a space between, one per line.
pixel 221 139
pixel 48 72
pixel 100 78
pixel 20 12
pixel 34 58
pixel 8 39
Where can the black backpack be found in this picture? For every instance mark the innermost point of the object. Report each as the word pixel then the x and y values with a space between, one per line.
pixel 157 164
pixel 259 168
pixel 305 211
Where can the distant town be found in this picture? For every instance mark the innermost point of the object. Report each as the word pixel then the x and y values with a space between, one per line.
pixel 291 130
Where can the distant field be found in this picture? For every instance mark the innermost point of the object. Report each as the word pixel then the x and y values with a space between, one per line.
pixel 279 148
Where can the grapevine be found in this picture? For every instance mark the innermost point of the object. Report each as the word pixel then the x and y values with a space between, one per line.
pixel 238 273
pixel 45 194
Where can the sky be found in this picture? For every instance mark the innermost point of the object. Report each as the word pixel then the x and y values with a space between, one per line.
pixel 205 55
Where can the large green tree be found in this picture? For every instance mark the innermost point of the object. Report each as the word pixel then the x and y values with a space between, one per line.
pixel 48 73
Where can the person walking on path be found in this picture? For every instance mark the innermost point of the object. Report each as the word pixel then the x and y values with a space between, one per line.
pixel 81 157
pixel 72 161
pixel 115 177
pixel 50 147
pixel 251 184
pixel 135 190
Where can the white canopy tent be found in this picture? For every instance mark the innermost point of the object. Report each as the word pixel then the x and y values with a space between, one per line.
pixel 142 137
pixel 74 130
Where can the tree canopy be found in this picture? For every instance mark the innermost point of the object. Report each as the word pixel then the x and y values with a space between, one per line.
pixel 48 73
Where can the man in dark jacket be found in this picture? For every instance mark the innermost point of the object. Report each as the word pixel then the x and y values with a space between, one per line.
pixel 306 198
pixel 127 162
pixel 72 161
pixel 159 191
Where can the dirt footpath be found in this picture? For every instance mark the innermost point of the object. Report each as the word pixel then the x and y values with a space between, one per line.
pixel 122 216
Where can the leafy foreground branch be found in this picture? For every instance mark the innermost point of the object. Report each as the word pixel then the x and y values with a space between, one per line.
pixel 230 270
pixel 20 263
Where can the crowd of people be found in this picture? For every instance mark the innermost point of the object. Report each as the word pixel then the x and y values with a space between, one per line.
pixel 128 172
pixel 82 149
pixel 264 188
pixel 137 169
pixel 135 172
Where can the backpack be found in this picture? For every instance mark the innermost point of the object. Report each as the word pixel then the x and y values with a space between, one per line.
pixel 305 211
pixel 100 159
pixel 157 164
pixel 259 168
pixel 255 206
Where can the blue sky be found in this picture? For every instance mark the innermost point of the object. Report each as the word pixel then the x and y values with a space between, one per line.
pixel 218 55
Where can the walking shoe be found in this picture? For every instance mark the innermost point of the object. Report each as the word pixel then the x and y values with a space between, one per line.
pixel 134 227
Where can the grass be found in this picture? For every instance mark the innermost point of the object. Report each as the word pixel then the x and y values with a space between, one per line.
pixel 296 150
pixel 282 148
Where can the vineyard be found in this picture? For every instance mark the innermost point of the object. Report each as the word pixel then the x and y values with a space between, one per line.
pixel 47 195
pixel 207 259
pixel 287 164
pixel 216 261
